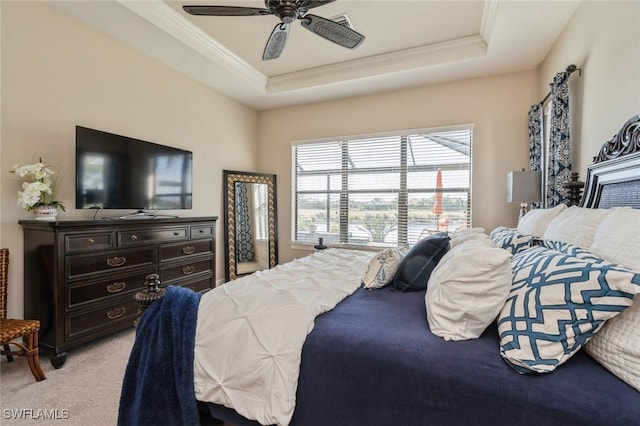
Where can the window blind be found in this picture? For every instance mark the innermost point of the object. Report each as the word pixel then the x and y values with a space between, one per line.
pixel 381 190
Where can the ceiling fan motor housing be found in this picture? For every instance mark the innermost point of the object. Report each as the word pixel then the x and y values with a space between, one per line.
pixel 286 10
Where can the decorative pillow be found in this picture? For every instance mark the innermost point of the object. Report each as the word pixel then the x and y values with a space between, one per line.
pixel 467 289
pixel 617 239
pixel 617 345
pixel 383 267
pixel 576 225
pixel 510 239
pixel 556 304
pixel 415 269
pixel 572 250
pixel 536 221
pixel 467 234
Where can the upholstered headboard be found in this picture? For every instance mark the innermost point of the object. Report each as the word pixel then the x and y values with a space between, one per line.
pixel 613 180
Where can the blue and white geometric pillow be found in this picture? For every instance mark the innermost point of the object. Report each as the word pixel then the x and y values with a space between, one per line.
pixel 556 304
pixel 510 239
pixel 572 250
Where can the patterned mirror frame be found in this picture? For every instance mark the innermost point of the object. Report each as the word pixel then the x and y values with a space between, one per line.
pixel 230 177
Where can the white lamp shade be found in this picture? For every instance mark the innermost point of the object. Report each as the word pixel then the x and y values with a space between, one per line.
pixel 524 186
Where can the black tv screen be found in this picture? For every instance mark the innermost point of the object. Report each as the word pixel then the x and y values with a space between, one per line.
pixel 119 172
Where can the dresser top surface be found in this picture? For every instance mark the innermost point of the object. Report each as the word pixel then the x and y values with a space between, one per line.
pixel 64 224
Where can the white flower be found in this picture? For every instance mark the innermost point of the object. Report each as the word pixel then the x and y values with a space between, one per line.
pixel 38 186
pixel 27 199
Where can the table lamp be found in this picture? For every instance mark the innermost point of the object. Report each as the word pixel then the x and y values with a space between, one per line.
pixel 524 186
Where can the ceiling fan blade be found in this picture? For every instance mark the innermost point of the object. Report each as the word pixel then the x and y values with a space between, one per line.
pixel 332 31
pixel 225 11
pixel 277 41
pixel 310 4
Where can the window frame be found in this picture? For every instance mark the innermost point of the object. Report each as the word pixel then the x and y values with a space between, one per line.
pixel 403 191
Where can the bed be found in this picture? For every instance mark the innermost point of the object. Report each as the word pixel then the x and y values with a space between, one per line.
pixel 369 357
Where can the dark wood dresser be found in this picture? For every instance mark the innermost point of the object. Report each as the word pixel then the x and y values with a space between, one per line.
pixel 80 276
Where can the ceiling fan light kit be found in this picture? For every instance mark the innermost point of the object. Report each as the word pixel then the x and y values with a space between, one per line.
pixel 287 11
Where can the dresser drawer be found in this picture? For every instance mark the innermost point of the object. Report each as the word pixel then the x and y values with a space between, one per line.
pixel 88 242
pixel 148 235
pixel 202 231
pixel 87 265
pixel 185 249
pixel 202 284
pixel 82 293
pixel 115 316
pixel 181 271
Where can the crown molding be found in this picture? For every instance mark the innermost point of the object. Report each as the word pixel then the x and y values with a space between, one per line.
pixel 416 57
pixel 488 19
pixel 167 19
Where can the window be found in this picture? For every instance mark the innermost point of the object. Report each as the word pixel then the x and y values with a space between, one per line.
pixel 546 145
pixel 381 191
pixel 260 211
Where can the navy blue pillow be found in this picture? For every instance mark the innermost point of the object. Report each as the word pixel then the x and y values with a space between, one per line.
pixel 416 267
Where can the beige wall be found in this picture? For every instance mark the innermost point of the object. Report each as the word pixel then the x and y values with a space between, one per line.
pixel 57 73
pixel 603 39
pixel 497 106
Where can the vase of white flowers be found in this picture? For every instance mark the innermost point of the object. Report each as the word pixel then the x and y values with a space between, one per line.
pixel 38 190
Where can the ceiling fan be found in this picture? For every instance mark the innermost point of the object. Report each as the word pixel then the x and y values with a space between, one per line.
pixel 287 11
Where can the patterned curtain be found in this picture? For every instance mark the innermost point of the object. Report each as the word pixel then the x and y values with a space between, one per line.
pixel 244 239
pixel 535 141
pixel 535 137
pixel 559 164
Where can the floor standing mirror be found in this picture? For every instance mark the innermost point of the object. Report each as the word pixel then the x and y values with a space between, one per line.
pixel 250 238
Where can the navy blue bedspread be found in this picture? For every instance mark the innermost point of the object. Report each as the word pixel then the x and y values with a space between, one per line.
pixel 158 384
pixel 373 361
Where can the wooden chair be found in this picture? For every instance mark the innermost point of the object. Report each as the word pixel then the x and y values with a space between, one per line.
pixel 13 329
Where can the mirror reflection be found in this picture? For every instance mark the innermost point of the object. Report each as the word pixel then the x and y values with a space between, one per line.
pixel 252 251
pixel 250 223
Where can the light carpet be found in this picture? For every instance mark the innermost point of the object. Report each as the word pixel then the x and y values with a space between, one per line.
pixel 84 392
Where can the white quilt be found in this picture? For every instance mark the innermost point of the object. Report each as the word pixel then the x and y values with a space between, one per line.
pixel 250 331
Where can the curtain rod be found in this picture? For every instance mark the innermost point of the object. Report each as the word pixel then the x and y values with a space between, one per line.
pixel 570 69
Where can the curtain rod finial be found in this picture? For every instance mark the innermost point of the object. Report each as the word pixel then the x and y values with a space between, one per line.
pixel 571 68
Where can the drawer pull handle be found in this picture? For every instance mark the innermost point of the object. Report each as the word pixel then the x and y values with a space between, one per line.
pixel 116 313
pixel 116 261
pixel 116 287
pixel 134 237
pixel 90 241
pixel 188 270
pixel 201 231
pixel 189 250
pixel 176 233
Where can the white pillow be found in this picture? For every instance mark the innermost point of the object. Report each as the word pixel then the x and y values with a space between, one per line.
pixel 536 221
pixel 467 289
pixel 576 225
pixel 617 239
pixel 617 345
pixel 383 266
pixel 461 236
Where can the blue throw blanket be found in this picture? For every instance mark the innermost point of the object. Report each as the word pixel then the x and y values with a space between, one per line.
pixel 158 383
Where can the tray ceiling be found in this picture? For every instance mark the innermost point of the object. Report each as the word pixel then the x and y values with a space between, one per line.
pixel 408 43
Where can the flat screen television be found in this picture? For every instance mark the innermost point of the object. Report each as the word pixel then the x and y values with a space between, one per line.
pixel 120 172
